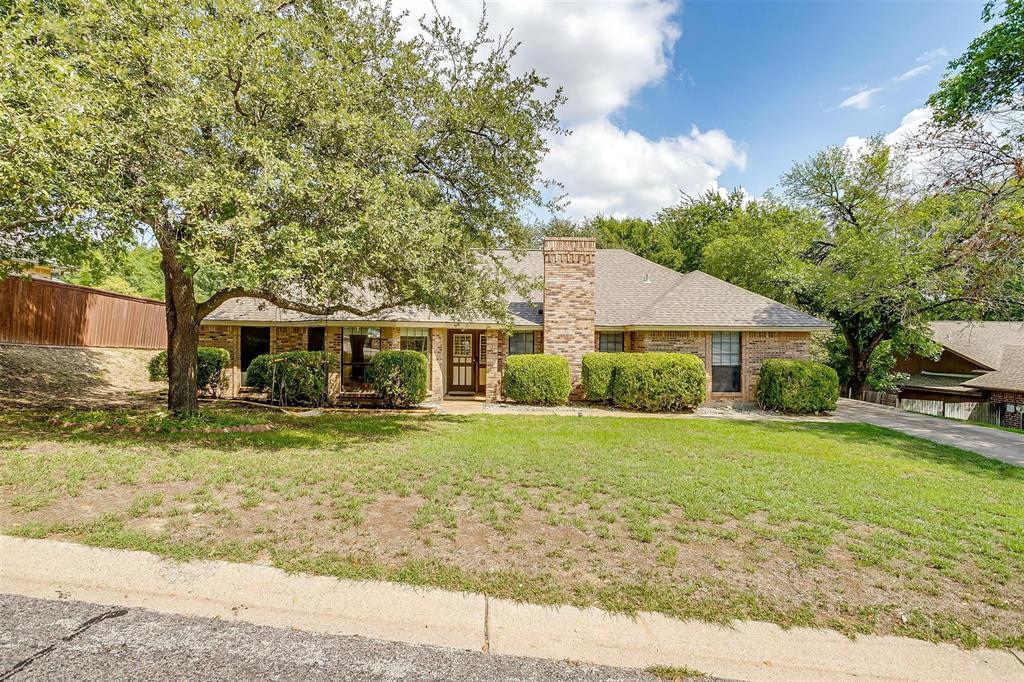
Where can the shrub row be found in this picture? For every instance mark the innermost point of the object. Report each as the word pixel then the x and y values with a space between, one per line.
pixel 399 377
pixel 798 386
pixel 536 379
pixel 211 364
pixel 651 382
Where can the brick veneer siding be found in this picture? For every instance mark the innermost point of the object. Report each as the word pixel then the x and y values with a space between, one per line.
pixel 1013 420
pixel 497 351
pixel 438 369
pixel 287 339
pixel 229 338
pixel 757 347
pixel 569 285
pixel 693 342
pixel 390 338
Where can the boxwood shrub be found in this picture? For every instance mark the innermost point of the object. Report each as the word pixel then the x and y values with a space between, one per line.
pixel 399 377
pixel 658 382
pixel 536 379
pixel 299 377
pixel 597 375
pixel 797 386
pixel 211 364
pixel 260 372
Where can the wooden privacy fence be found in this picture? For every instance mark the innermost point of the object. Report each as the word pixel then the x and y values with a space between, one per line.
pixel 966 411
pixel 47 313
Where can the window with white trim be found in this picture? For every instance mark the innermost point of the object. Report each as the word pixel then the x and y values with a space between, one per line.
pixel 726 364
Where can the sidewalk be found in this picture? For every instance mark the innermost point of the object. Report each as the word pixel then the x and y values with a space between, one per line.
pixel 261 595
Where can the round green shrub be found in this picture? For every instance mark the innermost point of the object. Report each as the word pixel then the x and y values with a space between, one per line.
pixel 260 372
pixel 658 382
pixel 300 377
pixel 597 375
pixel 210 366
pixel 536 379
pixel 399 377
pixel 797 386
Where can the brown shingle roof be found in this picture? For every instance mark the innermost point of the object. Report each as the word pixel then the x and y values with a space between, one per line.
pixel 982 342
pixel 630 292
pixel 1010 376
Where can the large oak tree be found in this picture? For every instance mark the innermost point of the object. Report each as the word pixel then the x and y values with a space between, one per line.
pixel 307 153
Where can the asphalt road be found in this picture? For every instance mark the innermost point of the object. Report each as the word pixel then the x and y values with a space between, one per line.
pixel 61 640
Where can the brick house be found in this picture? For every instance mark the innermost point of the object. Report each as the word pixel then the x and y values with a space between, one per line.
pixel 980 362
pixel 591 300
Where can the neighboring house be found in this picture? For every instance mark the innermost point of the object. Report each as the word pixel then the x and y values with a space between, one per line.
pixel 980 362
pixel 592 300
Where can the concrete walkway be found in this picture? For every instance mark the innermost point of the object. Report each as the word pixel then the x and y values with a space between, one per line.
pixel 261 595
pixel 994 443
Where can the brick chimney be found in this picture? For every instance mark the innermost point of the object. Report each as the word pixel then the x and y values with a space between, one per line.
pixel 569 285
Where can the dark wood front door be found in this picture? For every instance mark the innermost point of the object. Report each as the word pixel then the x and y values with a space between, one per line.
pixel 462 361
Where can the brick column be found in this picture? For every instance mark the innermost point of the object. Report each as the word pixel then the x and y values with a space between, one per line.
pixel 438 343
pixel 497 348
pixel 332 344
pixel 569 282
pixel 228 337
pixel 390 338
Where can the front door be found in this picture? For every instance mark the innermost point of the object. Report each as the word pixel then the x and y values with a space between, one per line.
pixel 462 362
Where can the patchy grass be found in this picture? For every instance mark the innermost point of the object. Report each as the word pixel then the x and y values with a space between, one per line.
pixel 847 526
pixel 676 674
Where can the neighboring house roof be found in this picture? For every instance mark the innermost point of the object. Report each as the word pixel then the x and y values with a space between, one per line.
pixel 983 343
pixel 1010 375
pixel 939 383
pixel 630 292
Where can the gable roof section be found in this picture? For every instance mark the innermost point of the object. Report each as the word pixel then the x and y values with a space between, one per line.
pixel 984 343
pixel 1010 377
pixel 630 292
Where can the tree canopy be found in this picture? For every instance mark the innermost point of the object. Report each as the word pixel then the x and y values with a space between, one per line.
pixel 305 153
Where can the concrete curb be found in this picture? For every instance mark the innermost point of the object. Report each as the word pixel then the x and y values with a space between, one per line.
pixel 757 652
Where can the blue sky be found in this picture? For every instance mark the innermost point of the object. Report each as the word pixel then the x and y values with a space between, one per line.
pixel 673 96
pixel 771 74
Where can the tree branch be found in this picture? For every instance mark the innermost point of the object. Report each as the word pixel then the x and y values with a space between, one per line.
pixel 211 304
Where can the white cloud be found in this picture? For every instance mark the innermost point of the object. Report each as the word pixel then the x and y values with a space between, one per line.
pixel 859 100
pixel 602 54
pixel 911 73
pixel 908 127
pixel 617 172
pixel 863 98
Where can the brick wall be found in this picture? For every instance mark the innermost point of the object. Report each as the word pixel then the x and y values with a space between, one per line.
pixel 229 338
pixel 760 346
pixel 287 339
pixel 497 350
pixel 693 342
pixel 438 369
pixel 1014 420
pixel 390 338
pixel 332 344
pixel 569 300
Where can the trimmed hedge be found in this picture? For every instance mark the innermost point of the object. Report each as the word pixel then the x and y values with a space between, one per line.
pixel 658 382
pixel 260 373
pixel 210 366
pixel 536 379
pixel 299 377
pixel 597 375
pixel 797 386
pixel 399 377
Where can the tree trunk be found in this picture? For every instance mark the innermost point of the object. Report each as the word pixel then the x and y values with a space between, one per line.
pixel 858 373
pixel 182 341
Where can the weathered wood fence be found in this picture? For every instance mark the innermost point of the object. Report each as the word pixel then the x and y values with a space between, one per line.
pixel 966 411
pixel 47 313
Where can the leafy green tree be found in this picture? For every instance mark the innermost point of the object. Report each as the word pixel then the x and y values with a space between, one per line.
pixel 135 272
pixel 643 237
pixel 303 153
pixel 694 223
pixel 989 76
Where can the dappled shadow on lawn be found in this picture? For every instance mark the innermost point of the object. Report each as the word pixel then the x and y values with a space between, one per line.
pixel 910 447
pixel 132 428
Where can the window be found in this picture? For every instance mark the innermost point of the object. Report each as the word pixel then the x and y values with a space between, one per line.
pixel 520 343
pixel 610 342
pixel 315 338
pixel 255 341
pixel 725 362
pixel 359 345
pixel 415 338
pixel 483 350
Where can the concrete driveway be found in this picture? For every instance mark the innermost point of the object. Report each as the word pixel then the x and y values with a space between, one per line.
pixel 994 443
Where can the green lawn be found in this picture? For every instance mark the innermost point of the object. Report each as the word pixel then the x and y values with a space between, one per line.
pixel 840 525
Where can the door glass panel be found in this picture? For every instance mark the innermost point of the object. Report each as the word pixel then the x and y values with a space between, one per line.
pixel 462 345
